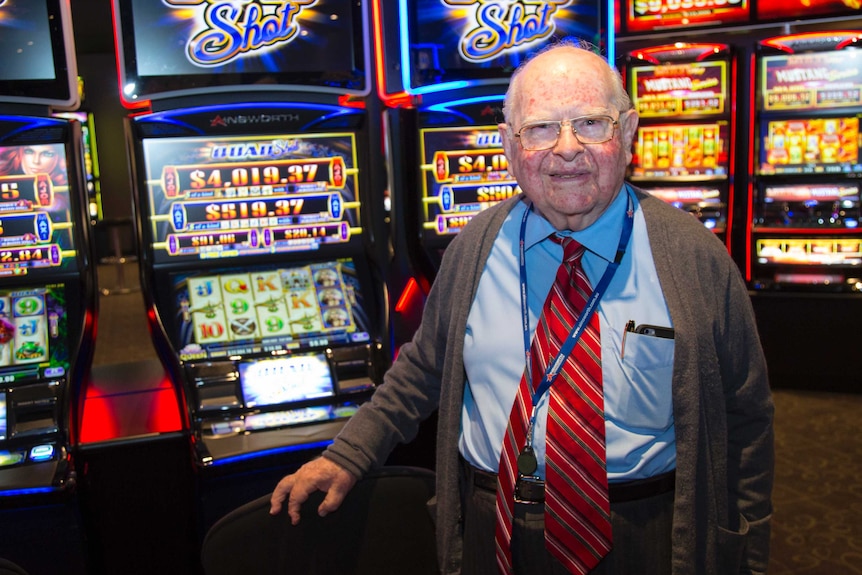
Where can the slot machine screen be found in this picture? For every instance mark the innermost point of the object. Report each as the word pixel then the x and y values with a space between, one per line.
pixel 824 145
pixel 810 81
pixel 687 89
pixel 681 151
pixel 448 42
pixel 177 48
pixel 37 54
pixel 34 334
pixel 649 15
pixel 288 379
pixel 232 197
pixel 36 221
pixel 243 311
pixel 463 171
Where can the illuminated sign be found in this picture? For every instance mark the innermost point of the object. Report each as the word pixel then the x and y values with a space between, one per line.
pixel 176 48
pixel 447 44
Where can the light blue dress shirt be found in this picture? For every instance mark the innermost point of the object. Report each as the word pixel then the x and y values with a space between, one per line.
pixel 637 377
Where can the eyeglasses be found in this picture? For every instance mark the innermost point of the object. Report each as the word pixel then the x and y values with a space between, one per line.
pixel 586 129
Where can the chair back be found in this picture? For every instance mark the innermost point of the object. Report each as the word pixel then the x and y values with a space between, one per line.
pixel 383 527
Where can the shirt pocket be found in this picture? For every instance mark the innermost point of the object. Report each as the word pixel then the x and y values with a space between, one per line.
pixel 645 399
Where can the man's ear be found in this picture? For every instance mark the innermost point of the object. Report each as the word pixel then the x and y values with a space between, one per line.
pixel 629 126
pixel 509 143
pixel 508 138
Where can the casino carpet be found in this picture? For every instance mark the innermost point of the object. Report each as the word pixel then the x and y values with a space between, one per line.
pixel 817 528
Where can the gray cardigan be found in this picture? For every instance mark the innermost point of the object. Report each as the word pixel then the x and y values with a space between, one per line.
pixel 722 403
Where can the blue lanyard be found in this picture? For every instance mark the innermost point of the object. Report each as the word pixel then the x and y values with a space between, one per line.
pixel 554 366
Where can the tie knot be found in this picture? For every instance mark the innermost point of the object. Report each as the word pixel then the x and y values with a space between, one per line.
pixel 572 249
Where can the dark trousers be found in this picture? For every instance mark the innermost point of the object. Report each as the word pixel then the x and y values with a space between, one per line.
pixel 641 532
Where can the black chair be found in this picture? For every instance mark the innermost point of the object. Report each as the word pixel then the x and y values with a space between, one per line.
pixel 9 568
pixel 383 527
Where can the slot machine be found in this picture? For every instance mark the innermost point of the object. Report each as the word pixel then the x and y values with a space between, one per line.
pixel 685 141
pixel 443 87
pixel 48 298
pixel 805 232
pixel 256 197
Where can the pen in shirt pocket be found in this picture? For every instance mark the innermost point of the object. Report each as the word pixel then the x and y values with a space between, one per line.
pixel 630 326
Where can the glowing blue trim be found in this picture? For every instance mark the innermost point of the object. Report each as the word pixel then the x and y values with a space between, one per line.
pixel 335 110
pixel 612 38
pixel 285 449
pixel 444 106
pixel 404 39
pixel 28 491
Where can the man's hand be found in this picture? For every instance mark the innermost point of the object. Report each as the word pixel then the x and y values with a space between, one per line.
pixel 317 475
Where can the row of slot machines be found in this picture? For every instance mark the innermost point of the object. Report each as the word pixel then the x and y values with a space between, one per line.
pixel 798 190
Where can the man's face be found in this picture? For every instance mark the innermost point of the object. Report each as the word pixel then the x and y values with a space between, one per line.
pixel 571 184
pixel 39 160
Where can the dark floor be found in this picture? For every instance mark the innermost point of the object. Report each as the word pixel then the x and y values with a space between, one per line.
pixel 817 527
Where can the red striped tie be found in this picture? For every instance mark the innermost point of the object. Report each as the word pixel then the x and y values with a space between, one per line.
pixel 577 510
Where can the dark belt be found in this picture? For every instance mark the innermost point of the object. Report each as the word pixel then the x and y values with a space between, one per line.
pixel 533 490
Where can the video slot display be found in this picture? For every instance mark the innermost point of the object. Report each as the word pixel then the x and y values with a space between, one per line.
pixel 241 312
pixel 824 145
pixel 810 206
pixel 681 151
pixel 464 171
pixel 35 213
pixel 252 195
pixel 33 334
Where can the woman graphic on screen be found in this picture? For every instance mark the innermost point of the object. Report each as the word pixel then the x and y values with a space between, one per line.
pixel 35 159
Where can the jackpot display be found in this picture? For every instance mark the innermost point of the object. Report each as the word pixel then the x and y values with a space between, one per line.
pixel 464 171
pixel 232 197
pixel 647 15
pixel 806 226
pixel 683 145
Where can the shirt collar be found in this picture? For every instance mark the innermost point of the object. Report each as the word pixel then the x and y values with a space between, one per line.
pixel 601 238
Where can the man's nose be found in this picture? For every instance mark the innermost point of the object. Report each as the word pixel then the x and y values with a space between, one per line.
pixel 568 144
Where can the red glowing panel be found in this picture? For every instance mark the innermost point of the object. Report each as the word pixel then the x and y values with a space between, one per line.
pixel 780 9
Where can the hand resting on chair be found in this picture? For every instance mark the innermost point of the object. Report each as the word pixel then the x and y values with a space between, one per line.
pixel 319 474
